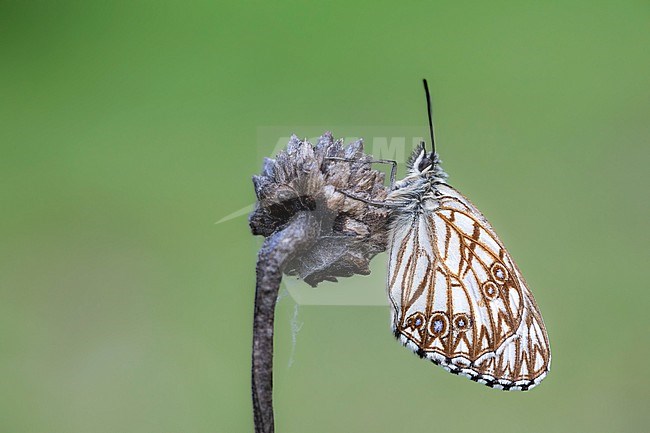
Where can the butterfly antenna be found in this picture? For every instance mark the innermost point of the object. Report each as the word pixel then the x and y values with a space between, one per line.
pixel 426 91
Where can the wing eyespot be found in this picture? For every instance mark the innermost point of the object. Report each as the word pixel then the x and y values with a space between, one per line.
pixel 438 325
pixel 462 322
pixel 499 272
pixel 490 290
pixel 416 321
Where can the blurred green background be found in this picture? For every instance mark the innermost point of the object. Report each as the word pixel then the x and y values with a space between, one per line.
pixel 127 129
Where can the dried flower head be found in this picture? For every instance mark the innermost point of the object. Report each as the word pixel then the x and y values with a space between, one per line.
pixel 322 179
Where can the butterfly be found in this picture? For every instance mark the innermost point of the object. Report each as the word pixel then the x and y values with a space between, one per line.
pixel 457 297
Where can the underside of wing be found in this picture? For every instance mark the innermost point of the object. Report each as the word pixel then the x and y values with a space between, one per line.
pixel 459 300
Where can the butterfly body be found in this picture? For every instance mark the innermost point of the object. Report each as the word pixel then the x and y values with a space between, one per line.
pixel 456 296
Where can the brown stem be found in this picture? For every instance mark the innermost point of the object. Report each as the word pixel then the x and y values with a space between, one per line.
pixel 277 250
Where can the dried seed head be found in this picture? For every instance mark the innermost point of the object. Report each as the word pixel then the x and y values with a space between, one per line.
pixel 303 177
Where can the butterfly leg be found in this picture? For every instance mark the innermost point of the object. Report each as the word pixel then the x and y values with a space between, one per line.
pixel 365 200
pixel 393 169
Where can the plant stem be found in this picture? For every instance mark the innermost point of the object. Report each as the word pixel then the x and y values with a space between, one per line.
pixel 277 250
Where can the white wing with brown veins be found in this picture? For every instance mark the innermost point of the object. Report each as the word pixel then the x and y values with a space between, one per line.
pixel 458 299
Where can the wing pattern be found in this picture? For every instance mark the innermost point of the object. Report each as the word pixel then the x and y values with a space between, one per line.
pixel 459 300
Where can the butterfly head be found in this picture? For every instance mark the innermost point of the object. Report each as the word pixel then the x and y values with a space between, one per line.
pixel 425 163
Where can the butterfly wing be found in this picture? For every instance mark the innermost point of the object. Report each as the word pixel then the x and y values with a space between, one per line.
pixel 458 298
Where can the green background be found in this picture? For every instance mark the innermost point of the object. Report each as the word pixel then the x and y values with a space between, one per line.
pixel 127 129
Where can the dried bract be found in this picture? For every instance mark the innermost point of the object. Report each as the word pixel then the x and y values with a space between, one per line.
pixel 322 178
